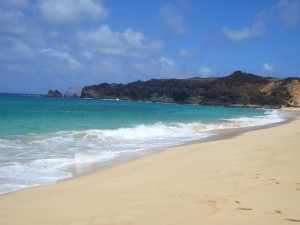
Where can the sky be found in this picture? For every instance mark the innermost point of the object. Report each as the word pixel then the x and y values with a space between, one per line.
pixel 54 44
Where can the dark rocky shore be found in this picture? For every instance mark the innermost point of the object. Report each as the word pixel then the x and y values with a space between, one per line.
pixel 237 89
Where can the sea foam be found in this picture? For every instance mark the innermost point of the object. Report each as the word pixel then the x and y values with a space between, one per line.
pixel 37 159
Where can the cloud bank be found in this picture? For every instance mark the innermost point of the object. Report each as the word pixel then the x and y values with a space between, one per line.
pixel 107 42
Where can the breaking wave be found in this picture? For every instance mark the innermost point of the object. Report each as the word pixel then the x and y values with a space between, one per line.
pixel 37 159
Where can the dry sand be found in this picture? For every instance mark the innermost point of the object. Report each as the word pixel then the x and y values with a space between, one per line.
pixel 253 178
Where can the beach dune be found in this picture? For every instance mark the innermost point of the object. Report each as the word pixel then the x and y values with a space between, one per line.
pixel 253 178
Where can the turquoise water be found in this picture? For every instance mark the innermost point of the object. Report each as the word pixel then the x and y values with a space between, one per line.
pixel 41 137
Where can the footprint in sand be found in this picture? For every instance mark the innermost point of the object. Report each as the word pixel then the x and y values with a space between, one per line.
pixel 297 189
pixel 246 209
pixel 274 212
pixel 271 181
pixel 256 176
pixel 292 220
pixel 242 208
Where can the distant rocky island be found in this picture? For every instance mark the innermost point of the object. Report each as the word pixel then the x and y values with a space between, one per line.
pixel 72 92
pixel 237 89
pixel 55 93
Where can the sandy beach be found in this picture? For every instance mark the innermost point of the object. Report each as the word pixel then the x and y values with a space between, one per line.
pixel 252 178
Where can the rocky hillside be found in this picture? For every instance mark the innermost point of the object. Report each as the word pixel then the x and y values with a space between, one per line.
pixel 237 89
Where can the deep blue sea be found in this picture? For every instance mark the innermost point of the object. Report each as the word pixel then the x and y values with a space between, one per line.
pixel 41 137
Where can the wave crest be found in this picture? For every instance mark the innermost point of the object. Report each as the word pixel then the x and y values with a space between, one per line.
pixel 37 159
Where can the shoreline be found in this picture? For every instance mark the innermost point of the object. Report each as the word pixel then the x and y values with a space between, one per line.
pixel 84 169
pixel 221 134
pixel 248 178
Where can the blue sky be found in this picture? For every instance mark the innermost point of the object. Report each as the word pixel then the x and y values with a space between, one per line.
pixel 54 44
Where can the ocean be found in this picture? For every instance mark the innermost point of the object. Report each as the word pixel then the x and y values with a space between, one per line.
pixel 40 138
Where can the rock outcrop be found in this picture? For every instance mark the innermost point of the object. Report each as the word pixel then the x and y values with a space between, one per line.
pixel 55 93
pixel 237 89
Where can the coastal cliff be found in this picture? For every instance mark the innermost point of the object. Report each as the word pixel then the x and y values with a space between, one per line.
pixel 237 89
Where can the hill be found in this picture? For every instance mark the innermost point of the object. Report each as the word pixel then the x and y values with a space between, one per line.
pixel 237 89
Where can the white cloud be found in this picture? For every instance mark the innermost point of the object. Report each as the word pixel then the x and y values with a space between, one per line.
pixel 288 11
pixel 205 71
pixel 184 53
pixel 129 43
pixel 166 61
pixel 68 12
pixel 62 57
pixel 256 30
pixel 171 17
pixel 268 67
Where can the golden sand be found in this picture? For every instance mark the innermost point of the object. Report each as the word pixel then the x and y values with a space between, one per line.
pixel 253 178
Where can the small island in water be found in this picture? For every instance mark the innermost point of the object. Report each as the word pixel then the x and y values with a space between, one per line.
pixel 55 94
